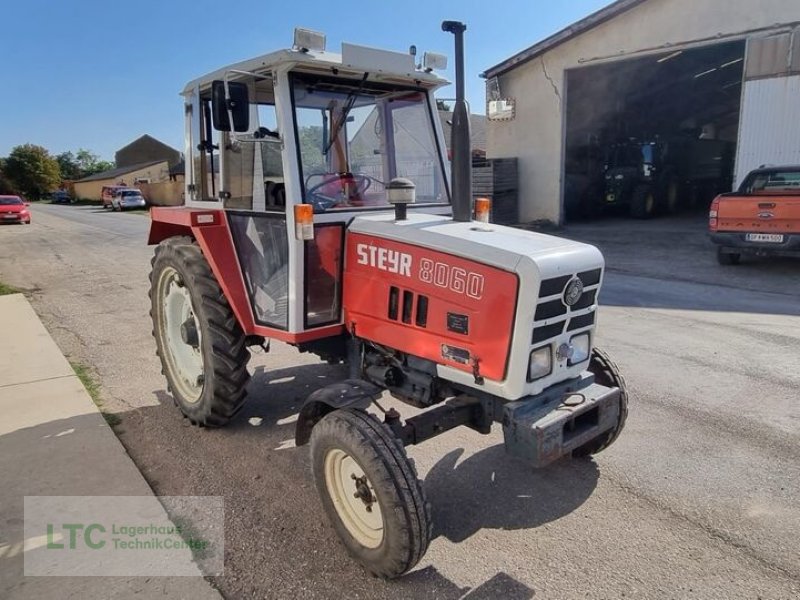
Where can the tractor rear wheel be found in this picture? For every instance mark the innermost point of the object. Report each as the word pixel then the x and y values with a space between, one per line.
pixel 606 373
pixel 198 339
pixel 370 492
pixel 643 202
pixel 672 199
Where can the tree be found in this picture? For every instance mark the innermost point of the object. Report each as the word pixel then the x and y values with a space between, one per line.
pixel 310 140
pixel 32 170
pixel 89 163
pixel 81 164
pixel 70 170
pixel 6 187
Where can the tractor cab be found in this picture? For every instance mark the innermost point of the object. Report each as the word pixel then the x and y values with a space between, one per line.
pixel 303 140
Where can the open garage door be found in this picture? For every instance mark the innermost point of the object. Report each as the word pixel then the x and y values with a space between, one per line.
pixel 654 134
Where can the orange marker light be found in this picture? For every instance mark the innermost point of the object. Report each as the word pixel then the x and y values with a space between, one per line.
pixel 483 206
pixel 304 222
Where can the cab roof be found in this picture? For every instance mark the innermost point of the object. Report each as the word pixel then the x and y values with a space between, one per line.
pixel 382 65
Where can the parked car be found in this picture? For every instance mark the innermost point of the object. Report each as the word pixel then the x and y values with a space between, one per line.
pixel 60 197
pixel 762 218
pixel 14 209
pixel 128 198
pixel 108 191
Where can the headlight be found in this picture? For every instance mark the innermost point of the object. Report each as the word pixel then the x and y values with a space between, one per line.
pixel 580 349
pixel 540 363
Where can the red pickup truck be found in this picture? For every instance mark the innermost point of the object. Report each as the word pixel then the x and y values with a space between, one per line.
pixel 762 218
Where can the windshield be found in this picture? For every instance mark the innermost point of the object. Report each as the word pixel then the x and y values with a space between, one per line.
pixel 625 155
pixel 356 136
pixel 10 201
pixel 129 194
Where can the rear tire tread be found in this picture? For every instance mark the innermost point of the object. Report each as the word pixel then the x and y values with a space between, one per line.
pixel 228 353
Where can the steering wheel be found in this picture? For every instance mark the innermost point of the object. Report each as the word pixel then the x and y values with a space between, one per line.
pixel 323 199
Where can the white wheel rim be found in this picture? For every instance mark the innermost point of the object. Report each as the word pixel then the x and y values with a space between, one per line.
pixel 184 360
pixel 344 479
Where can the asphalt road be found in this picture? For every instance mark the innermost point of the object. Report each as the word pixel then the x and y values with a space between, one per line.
pixel 699 498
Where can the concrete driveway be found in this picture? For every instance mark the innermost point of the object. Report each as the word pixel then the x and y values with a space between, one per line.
pixel 698 498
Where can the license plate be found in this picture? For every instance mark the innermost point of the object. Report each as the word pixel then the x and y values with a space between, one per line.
pixel 610 198
pixel 772 238
pixel 10 217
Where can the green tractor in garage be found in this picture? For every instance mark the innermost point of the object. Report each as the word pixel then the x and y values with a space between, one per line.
pixel 662 176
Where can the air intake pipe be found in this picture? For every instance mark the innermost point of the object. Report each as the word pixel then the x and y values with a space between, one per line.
pixel 461 167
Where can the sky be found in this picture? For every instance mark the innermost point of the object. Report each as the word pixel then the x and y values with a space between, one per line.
pixel 98 74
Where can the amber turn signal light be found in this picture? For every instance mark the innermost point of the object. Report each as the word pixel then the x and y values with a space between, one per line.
pixel 304 222
pixel 483 206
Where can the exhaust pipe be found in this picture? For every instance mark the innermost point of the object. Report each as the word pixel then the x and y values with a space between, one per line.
pixel 461 167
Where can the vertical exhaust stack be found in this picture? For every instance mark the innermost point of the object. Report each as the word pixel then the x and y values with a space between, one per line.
pixel 461 167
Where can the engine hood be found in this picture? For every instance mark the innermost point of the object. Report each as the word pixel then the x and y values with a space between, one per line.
pixel 517 250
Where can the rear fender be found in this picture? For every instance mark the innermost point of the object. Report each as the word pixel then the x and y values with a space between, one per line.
pixel 210 229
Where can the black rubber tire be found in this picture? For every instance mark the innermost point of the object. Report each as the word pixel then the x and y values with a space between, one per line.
pixel 672 196
pixel 606 373
pixel 728 258
pixel 406 511
pixel 225 354
pixel 643 202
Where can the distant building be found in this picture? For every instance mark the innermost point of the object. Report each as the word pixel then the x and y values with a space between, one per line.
pixel 145 161
pixel 146 149
pixel 477 132
pixel 645 69
pixel 154 171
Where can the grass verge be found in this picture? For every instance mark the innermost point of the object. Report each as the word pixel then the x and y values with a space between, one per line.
pixel 6 289
pixel 93 388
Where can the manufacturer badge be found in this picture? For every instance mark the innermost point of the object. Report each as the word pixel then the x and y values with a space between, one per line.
pixel 573 292
pixel 565 352
pixel 765 215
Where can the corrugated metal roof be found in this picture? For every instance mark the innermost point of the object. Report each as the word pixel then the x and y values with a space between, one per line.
pixel 114 173
pixel 574 30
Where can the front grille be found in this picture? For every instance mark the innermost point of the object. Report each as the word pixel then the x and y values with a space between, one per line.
pixel 545 332
pixel 551 287
pixel 581 321
pixel 585 301
pixel 549 310
pixel 590 277
pixel 553 317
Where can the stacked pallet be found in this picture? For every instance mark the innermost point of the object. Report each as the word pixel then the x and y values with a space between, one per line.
pixel 496 178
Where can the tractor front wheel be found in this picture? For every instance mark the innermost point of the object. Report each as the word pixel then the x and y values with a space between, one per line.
pixel 606 373
pixel 198 339
pixel 370 492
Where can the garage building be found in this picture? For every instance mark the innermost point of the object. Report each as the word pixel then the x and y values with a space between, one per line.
pixel 717 81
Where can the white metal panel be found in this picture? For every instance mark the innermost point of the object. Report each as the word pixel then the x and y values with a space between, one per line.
pixel 769 126
pixel 375 59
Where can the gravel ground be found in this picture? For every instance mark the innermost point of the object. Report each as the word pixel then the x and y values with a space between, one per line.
pixel 698 498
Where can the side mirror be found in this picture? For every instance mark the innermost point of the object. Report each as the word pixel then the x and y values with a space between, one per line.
pixel 237 105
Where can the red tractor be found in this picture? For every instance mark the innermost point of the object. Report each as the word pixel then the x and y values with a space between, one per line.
pixel 321 210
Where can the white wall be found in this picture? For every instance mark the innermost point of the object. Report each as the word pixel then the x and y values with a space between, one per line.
pixel 535 135
pixel 770 124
